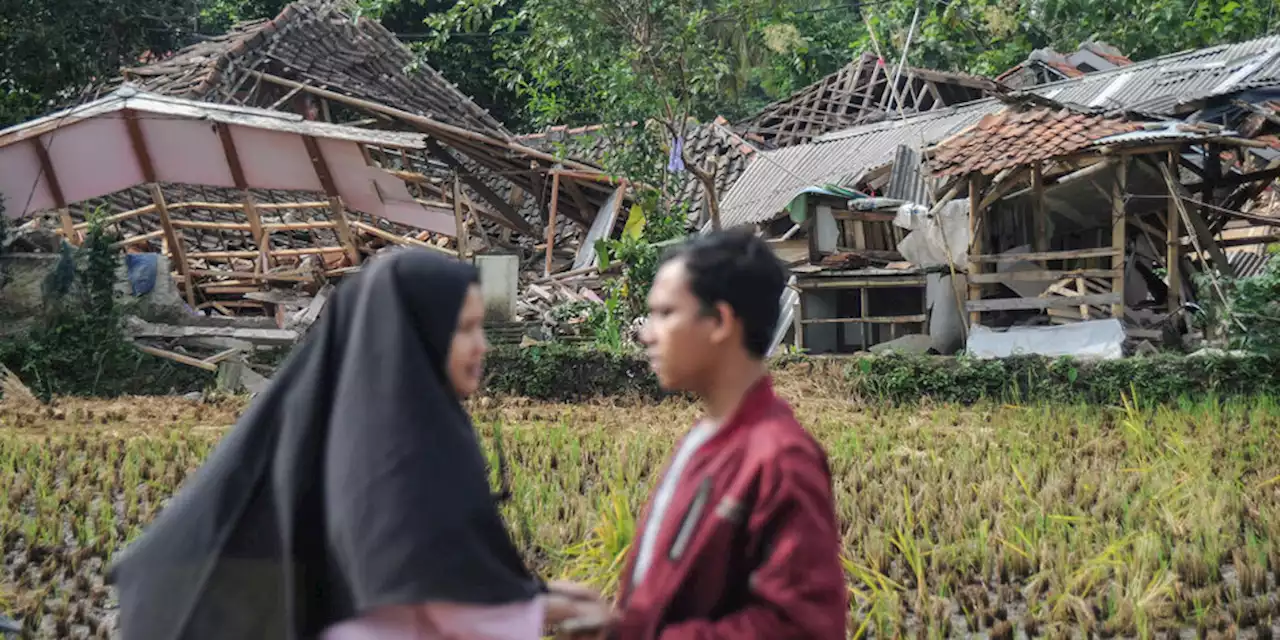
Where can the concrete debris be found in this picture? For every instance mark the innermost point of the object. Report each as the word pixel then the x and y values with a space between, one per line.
pixel 915 344
pixel 137 328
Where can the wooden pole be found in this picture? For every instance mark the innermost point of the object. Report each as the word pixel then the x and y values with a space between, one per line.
pixel 976 231
pixel 459 221
pixel 177 253
pixel 260 239
pixel 1041 213
pixel 1118 229
pixel 55 189
pixel 1173 243
pixel 551 219
pixel 336 209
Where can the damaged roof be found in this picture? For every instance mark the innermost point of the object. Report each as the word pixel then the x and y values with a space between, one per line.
pixel 319 42
pixel 856 94
pixel 712 144
pixel 1172 84
pixel 771 181
pixel 1015 137
pixel 841 157
pixel 1047 65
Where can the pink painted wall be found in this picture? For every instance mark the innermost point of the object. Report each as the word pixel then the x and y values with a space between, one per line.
pixel 22 187
pixel 186 152
pixel 95 157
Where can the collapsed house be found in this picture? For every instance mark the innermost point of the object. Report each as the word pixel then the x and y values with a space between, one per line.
pixel 1214 110
pixel 261 164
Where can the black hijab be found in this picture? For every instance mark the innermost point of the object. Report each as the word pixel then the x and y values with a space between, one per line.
pixel 354 482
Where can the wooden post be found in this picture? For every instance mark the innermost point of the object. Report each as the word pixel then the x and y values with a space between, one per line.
pixel 260 239
pixel 976 231
pixel 55 189
pixel 799 319
pixel 1118 229
pixel 173 241
pixel 1173 244
pixel 336 208
pixel 551 218
pixel 177 253
pixel 232 156
pixel 1040 211
pixel 867 329
pixel 459 221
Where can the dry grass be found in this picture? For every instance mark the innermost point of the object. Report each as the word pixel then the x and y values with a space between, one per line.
pixel 1045 521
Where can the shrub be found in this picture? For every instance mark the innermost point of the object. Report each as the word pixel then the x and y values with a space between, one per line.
pixel 78 347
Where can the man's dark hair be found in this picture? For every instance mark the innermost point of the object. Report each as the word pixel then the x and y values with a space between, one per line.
pixel 739 269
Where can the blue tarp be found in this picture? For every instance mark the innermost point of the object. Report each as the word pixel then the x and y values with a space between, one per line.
pixel 142 272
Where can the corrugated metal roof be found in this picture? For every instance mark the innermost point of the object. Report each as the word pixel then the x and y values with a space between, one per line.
pixel 775 177
pixel 1247 264
pixel 1160 85
pixel 1155 86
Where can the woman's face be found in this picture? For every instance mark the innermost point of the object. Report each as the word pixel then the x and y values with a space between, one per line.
pixel 466 352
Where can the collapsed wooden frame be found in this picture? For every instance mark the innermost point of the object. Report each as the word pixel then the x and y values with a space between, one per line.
pixel 1089 282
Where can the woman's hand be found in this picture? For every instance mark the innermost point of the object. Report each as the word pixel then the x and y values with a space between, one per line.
pixel 577 611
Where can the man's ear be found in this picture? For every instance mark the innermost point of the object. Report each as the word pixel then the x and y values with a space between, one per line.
pixel 724 318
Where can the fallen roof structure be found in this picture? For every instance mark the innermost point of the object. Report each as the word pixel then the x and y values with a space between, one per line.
pixel 1046 65
pixel 1170 86
pixel 321 60
pixel 862 91
pixel 1036 178
pixel 130 140
pixel 713 145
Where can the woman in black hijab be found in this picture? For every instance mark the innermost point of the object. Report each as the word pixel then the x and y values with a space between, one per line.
pixel 352 491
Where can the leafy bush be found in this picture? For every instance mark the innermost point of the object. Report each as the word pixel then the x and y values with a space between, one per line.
pixel 564 373
pixel 1162 379
pixel 1250 317
pixel 78 347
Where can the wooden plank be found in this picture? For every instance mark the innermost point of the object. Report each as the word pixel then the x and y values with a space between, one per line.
pixel 510 214
pixel 976 231
pixel 1019 304
pixel 337 211
pixel 1040 210
pixel 551 220
pixel 140 151
pixel 1073 254
pixel 130 241
pixel 1173 246
pixel 270 277
pixel 1204 237
pixel 859 283
pixel 176 357
pixel 1003 187
pixel 911 319
pixel 459 222
pixel 1040 275
pixel 863 216
pixel 586 211
pixel 177 252
pixel 55 189
pixel 395 239
pixel 1119 234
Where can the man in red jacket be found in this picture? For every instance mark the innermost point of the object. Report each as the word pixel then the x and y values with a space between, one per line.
pixel 739 539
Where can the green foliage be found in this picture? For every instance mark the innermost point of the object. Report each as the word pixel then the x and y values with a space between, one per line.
pixel 1250 317
pixel 567 373
pixel 1163 379
pixel 639 250
pixel 78 347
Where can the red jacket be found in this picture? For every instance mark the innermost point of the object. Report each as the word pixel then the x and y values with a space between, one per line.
pixel 749 546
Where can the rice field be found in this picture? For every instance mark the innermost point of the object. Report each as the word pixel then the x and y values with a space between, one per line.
pixel 998 521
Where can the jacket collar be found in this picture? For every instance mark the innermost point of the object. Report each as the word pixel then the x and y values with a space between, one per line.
pixel 757 400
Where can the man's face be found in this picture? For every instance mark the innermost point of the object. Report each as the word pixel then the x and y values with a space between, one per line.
pixel 680 340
